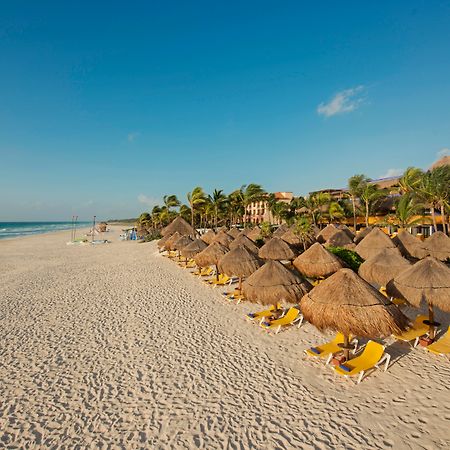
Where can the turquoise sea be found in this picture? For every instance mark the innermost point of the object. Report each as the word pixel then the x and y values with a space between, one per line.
pixel 17 229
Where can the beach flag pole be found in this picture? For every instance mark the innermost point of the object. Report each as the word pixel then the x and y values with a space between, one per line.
pixel 75 228
pixel 72 238
pixel 93 230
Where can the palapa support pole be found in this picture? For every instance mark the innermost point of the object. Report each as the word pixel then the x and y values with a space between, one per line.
pixel 346 347
pixel 431 320
pixel 217 273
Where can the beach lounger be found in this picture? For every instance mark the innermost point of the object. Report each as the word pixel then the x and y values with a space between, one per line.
pixel 418 329
pixel 395 301
pixel 328 349
pixel 292 317
pixel 261 315
pixel 372 356
pixel 442 346
pixel 204 272
pixel 222 281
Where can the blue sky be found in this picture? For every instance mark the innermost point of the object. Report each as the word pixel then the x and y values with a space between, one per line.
pixel 107 106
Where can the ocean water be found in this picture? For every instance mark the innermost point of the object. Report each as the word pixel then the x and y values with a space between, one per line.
pixel 17 229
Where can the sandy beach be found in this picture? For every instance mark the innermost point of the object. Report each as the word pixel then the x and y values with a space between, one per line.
pixel 115 346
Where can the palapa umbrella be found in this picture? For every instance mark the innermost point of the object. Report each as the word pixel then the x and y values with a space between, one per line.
pixel 438 245
pixel 246 242
pixel 347 231
pixel 373 243
pixel 280 230
pixel 410 246
pixel 254 234
pixel 345 302
pixel 427 280
pixel 171 241
pixel 180 225
pixel 362 234
pixel 162 242
pixel 211 256
pixel 382 267
pixel 326 233
pixel 234 232
pixel 318 262
pixel 292 239
pixel 181 243
pixel 340 239
pixel 222 237
pixel 272 283
pixel 196 246
pixel 239 262
pixel 276 249
pixel 209 236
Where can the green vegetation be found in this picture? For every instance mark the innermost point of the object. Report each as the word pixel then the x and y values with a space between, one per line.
pixel 417 194
pixel 351 258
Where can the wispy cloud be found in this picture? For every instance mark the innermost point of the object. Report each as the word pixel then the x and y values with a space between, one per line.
pixel 393 173
pixel 146 200
pixel 443 152
pixel 133 136
pixel 343 102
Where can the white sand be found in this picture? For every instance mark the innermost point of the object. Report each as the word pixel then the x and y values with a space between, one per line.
pixel 115 346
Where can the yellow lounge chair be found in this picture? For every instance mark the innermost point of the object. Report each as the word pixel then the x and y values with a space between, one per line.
pixel 395 301
pixel 203 272
pixel 261 315
pixel 328 349
pixel 371 357
pixel 292 317
pixel 222 281
pixel 417 330
pixel 442 346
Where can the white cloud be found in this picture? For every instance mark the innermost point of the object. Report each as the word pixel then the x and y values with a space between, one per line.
pixel 148 201
pixel 133 136
pixel 443 152
pixel 393 173
pixel 343 102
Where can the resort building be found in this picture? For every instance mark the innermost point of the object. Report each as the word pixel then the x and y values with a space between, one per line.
pixel 258 212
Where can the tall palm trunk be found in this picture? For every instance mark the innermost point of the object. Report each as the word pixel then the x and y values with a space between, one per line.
pixel 433 215
pixel 354 213
pixel 444 221
pixel 367 213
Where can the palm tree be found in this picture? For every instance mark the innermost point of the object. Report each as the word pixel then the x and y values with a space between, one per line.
pixel 185 212
pixel 406 208
pixel 171 201
pixel 355 185
pixel 218 200
pixel 435 190
pixel 370 196
pixel 335 212
pixel 195 199
pixel 411 180
pixel 251 193
pixel 235 206
pixel 304 230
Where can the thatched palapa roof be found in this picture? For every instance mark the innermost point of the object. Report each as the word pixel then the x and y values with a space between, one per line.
pixel 409 245
pixel 254 233
pixel 326 233
pixel 291 238
pixel 373 243
pixel 280 230
pixel 209 236
pixel 317 261
pixel 180 225
pixel 239 262
pixel 276 249
pixel 384 266
pixel 181 243
pixel 274 283
pixel 211 255
pixel 162 242
pixel 438 245
pixel 223 238
pixel 362 234
pixel 168 245
pixel 244 241
pixel 193 248
pixel 427 280
pixel 345 302
pixel 234 232
pixel 340 239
